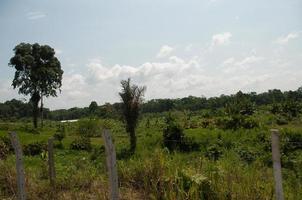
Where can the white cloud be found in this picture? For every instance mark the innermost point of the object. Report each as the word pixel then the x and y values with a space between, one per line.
pixel 188 48
pixel 231 65
pixel 285 39
pixel 228 61
pixel 175 76
pixel 221 39
pixel 35 15
pixel 164 51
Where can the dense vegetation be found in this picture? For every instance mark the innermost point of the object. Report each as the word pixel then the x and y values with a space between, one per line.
pixel 276 99
pixel 189 148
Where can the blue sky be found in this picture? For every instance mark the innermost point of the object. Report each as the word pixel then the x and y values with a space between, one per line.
pixel 174 47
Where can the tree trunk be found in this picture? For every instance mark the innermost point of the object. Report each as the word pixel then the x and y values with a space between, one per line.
pixel 41 110
pixel 35 101
pixel 132 141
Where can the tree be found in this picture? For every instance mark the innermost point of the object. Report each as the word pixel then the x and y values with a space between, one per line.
pixel 38 73
pixel 132 98
pixel 93 108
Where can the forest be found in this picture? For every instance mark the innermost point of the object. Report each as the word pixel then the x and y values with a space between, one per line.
pixel 275 99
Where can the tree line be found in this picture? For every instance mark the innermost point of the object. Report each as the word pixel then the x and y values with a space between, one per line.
pixel 17 109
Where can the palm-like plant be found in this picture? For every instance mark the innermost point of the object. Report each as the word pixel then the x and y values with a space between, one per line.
pixel 132 98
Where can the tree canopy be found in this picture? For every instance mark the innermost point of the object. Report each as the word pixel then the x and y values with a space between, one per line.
pixel 38 72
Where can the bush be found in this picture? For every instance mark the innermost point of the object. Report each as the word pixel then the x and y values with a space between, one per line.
pixel 174 138
pixel 7 142
pixel 3 150
pixel 228 122
pixel 291 141
pixel 89 128
pixel 96 153
pixel 188 144
pixel 281 120
pixel 82 143
pixel 249 123
pixel 34 148
pixel 213 152
pixel 4 126
pixel 237 121
pixel 172 134
pixel 246 155
pixel 197 185
pixel 59 136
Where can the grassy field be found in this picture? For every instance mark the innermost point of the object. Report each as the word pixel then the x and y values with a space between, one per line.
pixel 228 164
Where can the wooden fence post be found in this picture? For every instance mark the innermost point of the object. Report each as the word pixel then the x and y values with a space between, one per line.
pixel 19 166
pixel 277 164
pixel 111 165
pixel 51 163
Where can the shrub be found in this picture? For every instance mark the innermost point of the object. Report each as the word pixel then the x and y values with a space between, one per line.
pixel 291 141
pixel 34 148
pixel 213 152
pixel 3 150
pixel 174 138
pixel 82 143
pixel 59 136
pixel 249 123
pixel 237 121
pixel 228 122
pixel 188 144
pixel 96 153
pixel 196 185
pixel 89 127
pixel 7 142
pixel 4 126
pixel 205 123
pixel 246 155
pixel 172 134
pixel 281 120
pixel 61 128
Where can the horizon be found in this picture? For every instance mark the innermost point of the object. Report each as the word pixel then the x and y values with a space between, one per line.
pixel 175 48
pixel 146 101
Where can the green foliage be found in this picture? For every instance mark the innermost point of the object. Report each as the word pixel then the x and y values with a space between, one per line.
pixel 4 150
pixel 173 134
pixel 35 148
pixel 213 152
pixel 196 185
pixel 93 107
pixel 38 72
pixel 96 153
pixel 281 120
pixel 89 127
pixel 237 121
pixel 81 143
pixel 132 98
pixel 174 138
pixel 6 141
pixel 59 136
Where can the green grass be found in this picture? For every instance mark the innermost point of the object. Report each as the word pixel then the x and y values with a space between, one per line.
pixel 242 171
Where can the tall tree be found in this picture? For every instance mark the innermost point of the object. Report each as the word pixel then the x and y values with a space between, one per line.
pixel 38 73
pixel 93 107
pixel 132 98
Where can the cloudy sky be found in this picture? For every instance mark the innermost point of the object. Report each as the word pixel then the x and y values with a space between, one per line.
pixel 174 47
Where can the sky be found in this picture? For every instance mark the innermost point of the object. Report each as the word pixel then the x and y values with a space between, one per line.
pixel 175 48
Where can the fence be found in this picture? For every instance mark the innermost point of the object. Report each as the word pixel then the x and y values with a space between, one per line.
pixel 111 165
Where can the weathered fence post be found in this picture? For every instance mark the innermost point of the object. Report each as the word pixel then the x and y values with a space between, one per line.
pixel 19 166
pixel 51 163
pixel 111 165
pixel 277 164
